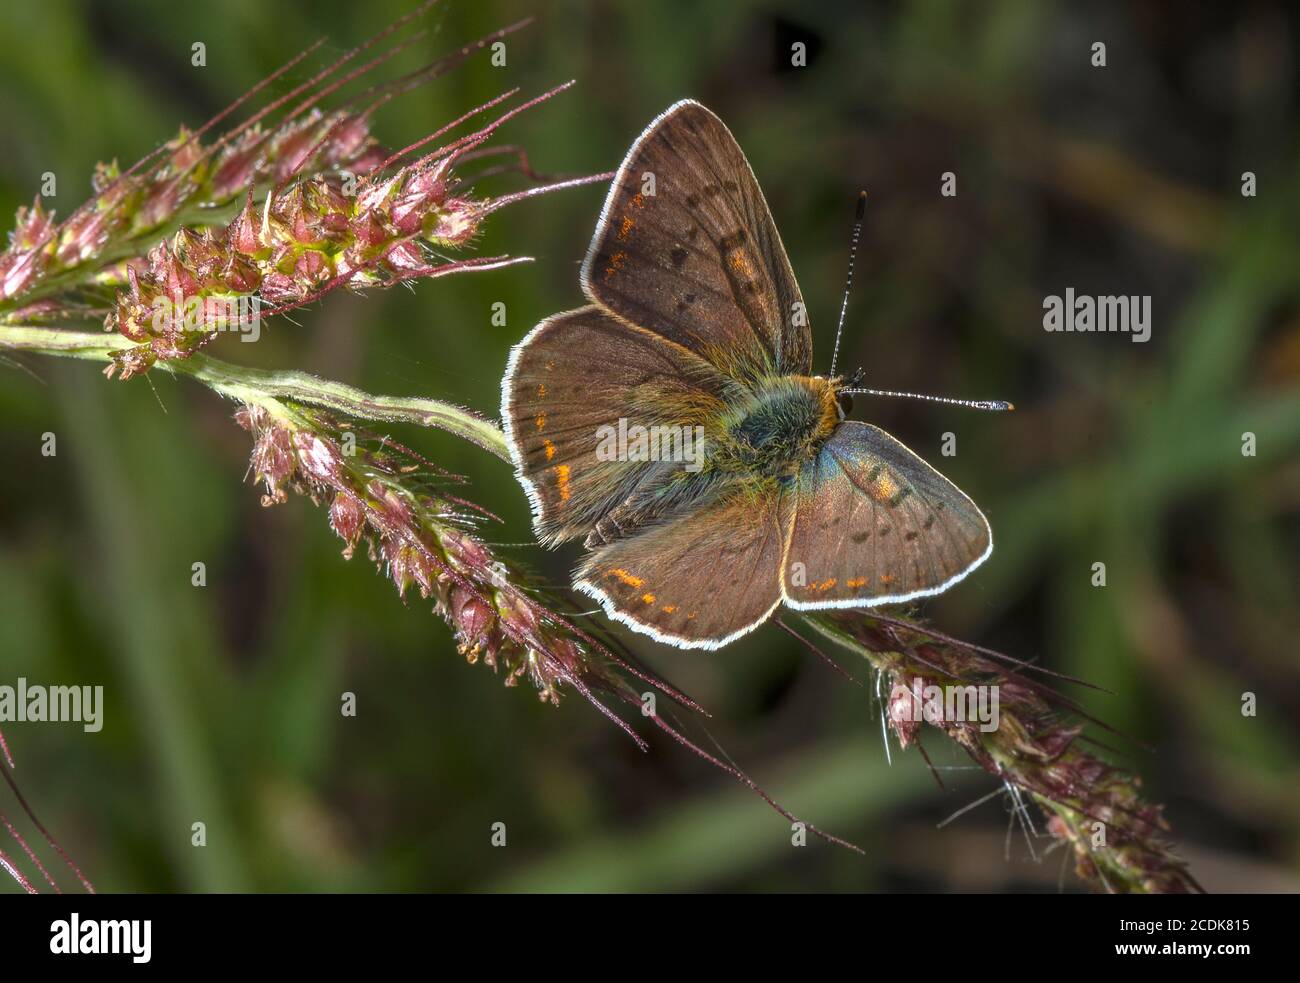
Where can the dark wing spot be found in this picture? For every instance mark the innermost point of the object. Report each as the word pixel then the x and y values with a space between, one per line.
pixel 690 298
pixel 861 537
pixel 731 186
pixel 678 256
pixel 910 536
pixel 929 520
pixel 899 498
pixel 692 232
pixel 733 241
pixel 693 201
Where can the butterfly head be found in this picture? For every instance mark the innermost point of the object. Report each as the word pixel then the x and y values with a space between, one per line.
pixel 842 386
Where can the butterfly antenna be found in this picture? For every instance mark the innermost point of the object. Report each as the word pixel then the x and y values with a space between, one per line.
pixel 848 280
pixel 974 404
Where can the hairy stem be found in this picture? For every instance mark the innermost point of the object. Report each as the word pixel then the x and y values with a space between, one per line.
pixel 266 387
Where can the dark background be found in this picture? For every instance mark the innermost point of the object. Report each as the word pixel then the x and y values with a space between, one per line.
pixel 222 703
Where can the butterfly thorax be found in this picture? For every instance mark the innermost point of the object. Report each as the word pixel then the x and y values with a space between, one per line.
pixel 778 426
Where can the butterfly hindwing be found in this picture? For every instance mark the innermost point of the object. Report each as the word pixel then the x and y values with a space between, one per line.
pixel 686 247
pixel 875 524
pixel 577 374
pixel 699 581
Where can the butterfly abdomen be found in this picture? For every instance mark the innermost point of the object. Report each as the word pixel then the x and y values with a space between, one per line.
pixel 780 426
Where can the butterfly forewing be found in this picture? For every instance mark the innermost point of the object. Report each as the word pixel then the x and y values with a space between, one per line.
pixel 700 581
pixel 686 247
pixel 875 524
pixel 572 377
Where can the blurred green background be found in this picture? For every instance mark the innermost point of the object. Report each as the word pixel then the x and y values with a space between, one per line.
pixel 222 703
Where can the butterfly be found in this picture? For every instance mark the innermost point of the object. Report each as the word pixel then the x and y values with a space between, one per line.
pixel 697 338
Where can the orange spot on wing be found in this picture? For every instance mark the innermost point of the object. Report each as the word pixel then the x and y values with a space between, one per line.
pixel 691 616
pixel 550 366
pixel 625 228
pixel 541 391
pixel 884 488
pixel 626 577
pixel 740 264
pixel 648 598
pixel 886 579
pixel 562 480
pixel 856 582
pixel 638 200
pixel 824 586
pixel 550 449
pixel 615 264
pixel 540 420
pixel 669 608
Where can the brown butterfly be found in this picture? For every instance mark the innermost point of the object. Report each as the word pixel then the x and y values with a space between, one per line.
pixel 675 422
